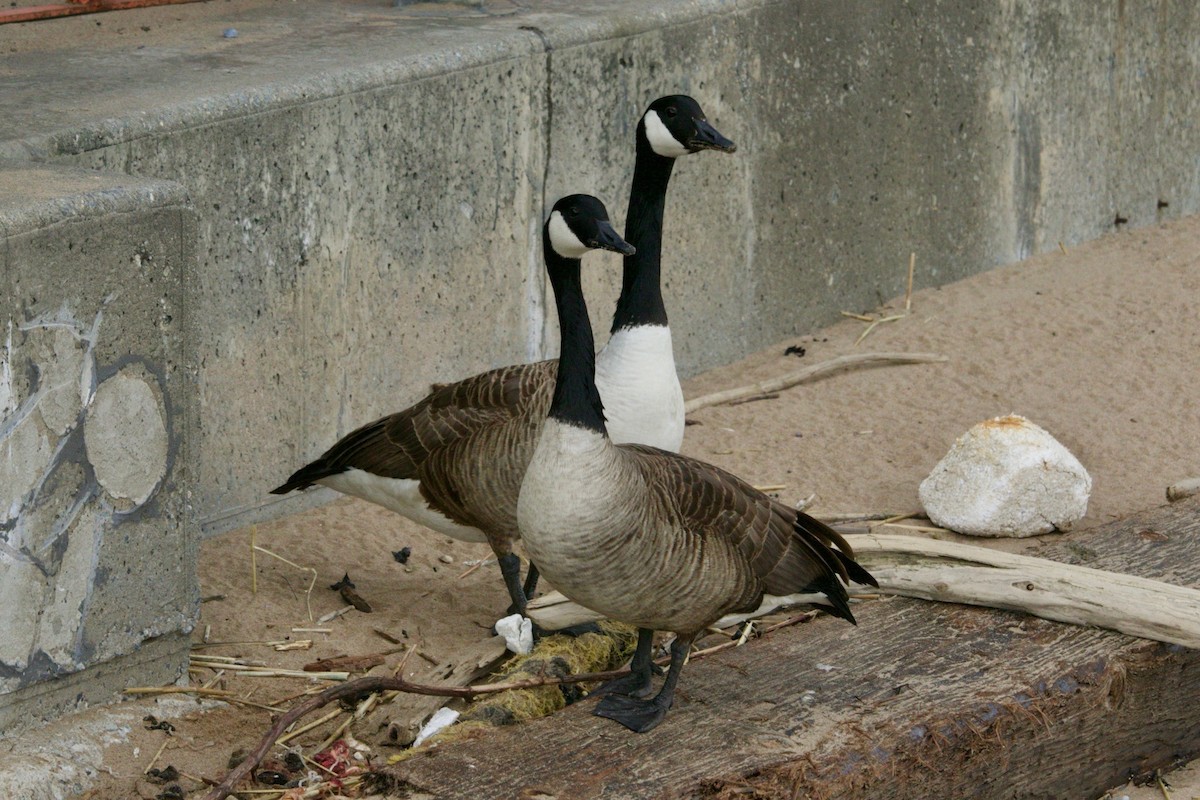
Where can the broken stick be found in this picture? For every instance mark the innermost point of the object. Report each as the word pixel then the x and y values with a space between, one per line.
pixel 852 361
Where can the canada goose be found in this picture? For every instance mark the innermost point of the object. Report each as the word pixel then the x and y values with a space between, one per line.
pixel 454 461
pixel 646 536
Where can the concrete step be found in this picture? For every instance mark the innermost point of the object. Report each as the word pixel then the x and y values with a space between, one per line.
pixel 97 399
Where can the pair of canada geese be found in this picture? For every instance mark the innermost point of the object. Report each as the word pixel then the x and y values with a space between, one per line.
pixel 632 531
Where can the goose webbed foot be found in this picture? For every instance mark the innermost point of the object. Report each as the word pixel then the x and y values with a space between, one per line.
pixel 634 713
pixel 632 685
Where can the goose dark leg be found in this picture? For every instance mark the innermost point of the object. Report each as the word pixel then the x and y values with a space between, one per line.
pixel 642 715
pixel 531 580
pixel 510 568
pixel 637 682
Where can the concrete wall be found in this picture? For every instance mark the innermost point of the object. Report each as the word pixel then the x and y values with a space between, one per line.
pixel 97 563
pixel 368 185
pixel 375 229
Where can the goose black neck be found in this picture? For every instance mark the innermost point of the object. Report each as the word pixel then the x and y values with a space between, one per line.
pixel 576 400
pixel 641 301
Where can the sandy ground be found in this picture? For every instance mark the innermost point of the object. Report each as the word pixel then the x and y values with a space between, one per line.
pixel 1100 346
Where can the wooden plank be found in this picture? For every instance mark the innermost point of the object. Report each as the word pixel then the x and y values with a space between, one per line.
pixel 920 700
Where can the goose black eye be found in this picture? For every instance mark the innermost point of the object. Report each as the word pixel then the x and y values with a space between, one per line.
pixel 573 211
pixel 672 111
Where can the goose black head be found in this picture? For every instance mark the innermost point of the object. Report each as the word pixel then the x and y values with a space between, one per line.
pixel 675 126
pixel 579 223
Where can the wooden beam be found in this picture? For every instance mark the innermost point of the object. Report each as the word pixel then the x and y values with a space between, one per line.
pixel 920 700
pixel 55 10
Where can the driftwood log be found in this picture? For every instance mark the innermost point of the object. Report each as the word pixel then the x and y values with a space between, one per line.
pixel 921 700
pixel 953 572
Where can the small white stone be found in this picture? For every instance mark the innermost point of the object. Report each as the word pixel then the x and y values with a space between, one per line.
pixel 517 632
pixel 1006 477
pixel 446 559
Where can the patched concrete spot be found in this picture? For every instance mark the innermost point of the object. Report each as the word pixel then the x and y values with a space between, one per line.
pixel 126 437
pixel 21 592
pixel 57 350
pixel 25 453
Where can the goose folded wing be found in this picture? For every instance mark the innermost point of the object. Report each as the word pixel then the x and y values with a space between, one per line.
pixel 399 445
pixel 787 550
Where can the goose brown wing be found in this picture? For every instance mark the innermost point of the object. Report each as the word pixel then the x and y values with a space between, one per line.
pixel 787 551
pixel 401 445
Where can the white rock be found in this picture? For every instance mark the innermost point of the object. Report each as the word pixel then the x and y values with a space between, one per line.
pixel 517 632
pixel 1006 477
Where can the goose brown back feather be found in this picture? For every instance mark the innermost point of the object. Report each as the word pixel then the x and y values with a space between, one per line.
pixel 468 443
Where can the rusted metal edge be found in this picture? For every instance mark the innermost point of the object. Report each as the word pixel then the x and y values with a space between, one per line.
pixel 53 10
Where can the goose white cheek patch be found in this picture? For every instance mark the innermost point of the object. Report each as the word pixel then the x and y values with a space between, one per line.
pixel 563 239
pixel 661 140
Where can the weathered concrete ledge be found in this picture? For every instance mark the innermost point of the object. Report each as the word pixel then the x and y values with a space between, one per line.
pixel 97 557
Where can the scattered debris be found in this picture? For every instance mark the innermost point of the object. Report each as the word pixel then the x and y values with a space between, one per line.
pixel 345 587
pixel 270 777
pixel 332 615
pixel 1006 477
pixel 441 719
pixel 1181 489
pixel 353 598
pixel 349 663
pixel 299 644
pixel 445 559
pixel 517 632
pixel 387 637
pixel 402 555
pixel 229 33
pixel 155 724
pixel 166 775
pixel 237 757
pixel 795 350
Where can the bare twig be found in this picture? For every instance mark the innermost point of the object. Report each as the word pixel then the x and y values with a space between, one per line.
pixel 255 548
pixel 755 398
pixel 1162 787
pixel 912 265
pixel 859 317
pixel 875 323
pixel 851 361
pixel 896 518
pixel 474 567
pixel 860 516
pixel 316 723
pixel 157 753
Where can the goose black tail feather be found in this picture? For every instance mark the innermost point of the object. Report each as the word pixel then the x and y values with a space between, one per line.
pixel 839 601
pixel 856 571
pixel 845 564
pixel 307 475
